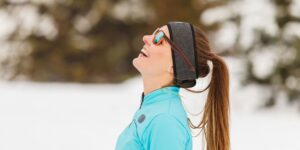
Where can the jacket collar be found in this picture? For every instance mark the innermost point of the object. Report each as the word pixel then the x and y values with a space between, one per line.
pixel 150 97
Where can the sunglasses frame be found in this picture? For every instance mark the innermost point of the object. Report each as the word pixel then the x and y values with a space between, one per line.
pixel 173 47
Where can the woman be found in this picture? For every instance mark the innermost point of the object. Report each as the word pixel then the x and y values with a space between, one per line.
pixel 173 57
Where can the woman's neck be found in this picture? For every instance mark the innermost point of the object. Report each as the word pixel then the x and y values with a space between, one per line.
pixel 151 84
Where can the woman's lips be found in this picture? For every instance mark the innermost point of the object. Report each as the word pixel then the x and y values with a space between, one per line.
pixel 142 55
pixel 144 52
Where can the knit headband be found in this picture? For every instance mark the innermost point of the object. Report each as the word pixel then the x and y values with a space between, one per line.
pixel 182 34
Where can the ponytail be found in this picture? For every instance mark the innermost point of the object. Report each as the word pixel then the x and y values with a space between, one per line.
pixel 215 119
pixel 217 108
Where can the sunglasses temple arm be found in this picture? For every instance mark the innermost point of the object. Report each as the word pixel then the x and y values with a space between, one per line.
pixel 181 54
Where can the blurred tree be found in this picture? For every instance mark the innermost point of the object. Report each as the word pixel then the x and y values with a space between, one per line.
pixel 84 41
pixel 78 41
pixel 265 35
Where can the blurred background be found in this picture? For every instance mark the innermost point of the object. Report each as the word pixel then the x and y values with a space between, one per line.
pixel 67 80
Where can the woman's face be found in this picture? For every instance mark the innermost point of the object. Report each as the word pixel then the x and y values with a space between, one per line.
pixel 159 59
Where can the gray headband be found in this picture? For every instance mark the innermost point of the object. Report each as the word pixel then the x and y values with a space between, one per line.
pixel 182 34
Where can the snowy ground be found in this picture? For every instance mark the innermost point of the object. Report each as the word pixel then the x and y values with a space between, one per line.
pixel 37 116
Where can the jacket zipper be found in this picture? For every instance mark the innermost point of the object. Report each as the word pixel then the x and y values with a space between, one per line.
pixel 142 100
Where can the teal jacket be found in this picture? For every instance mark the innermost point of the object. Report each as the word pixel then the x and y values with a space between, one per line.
pixel 159 124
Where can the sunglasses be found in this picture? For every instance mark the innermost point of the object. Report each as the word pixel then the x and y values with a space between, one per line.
pixel 158 38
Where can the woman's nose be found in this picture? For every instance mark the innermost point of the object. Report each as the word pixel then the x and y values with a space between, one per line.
pixel 146 39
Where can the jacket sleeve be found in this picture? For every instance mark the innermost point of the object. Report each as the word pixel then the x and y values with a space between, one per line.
pixel 165 132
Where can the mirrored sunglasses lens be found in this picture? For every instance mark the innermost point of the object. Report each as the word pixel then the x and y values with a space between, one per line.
pixel 158 37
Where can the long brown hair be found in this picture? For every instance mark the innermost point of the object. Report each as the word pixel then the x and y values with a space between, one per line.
pixel 215 119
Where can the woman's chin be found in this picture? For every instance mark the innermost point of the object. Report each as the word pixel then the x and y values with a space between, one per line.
pixel 139 62
pixel 136 62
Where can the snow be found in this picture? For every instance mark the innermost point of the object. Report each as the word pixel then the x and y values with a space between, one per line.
pixel 52 116
pixel 291 31
pixel 294 8
pixel 254 15
pixel 58 116
pixel 133 10
pixel 226 37
pixel 264 70
pixel 216 15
